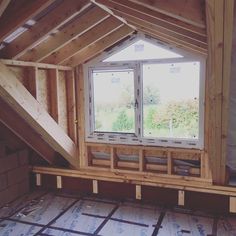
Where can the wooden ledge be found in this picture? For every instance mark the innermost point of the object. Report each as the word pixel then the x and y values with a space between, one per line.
pixel 148 179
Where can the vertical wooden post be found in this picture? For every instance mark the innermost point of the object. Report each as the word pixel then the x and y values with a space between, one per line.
pixel 53 88
pixel 169 163
pixel 219 30
pixel 59 182
pixel 114 158
pixel 203 162
pixel 138 192
pixel 229 37
pixel 38 179
pixel 141 160
pixel 95 186
pixel 79 85
pixel 232 204
pixel 89 160
pixel 181 198
pixel 71 104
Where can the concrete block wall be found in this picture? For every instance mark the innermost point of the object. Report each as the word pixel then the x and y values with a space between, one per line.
pixel 14 174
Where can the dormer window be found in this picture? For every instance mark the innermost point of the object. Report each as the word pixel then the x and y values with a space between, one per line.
pixel 143 92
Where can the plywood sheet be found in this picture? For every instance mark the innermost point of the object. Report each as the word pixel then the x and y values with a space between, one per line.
pixel 43 93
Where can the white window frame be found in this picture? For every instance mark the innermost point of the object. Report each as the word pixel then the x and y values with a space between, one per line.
pixel 137 138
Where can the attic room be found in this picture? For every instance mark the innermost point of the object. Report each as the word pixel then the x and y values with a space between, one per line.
pixel 117 117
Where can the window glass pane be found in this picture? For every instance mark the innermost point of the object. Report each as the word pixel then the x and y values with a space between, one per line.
pixel 142 50
pixel 114 100
pixel 171 100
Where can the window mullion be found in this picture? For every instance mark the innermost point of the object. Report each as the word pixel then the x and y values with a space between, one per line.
pixel 138 98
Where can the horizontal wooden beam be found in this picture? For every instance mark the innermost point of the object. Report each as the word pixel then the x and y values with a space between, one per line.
pixel 18 13
pixel 22 130
pixel 98 47
pixel 148 179
pixel 62 38
pixel 34 64
pixel 131 148
pixel 91 36
pixel 17 96
pixel 49 23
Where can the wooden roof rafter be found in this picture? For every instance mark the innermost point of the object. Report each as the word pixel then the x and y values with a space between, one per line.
pixel 76 28
pixel 188 11
pixel 158 31
pixel 157 18
pixel 9 24
pixel 151 22
pixel 101 30
pixel 59 16
pixel 98 47
pixel 63 29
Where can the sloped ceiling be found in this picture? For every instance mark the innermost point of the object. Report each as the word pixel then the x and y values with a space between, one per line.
pixel 70 32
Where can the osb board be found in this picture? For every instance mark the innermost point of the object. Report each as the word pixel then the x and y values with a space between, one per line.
pixel 42 89
pixel 20 74
pixel 62 103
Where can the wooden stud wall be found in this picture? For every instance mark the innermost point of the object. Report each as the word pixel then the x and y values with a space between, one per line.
pixel 53 87
pixel 107 157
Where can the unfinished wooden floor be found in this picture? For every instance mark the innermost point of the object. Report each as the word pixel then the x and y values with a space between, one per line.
pixel 52 214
